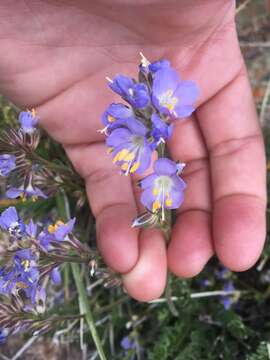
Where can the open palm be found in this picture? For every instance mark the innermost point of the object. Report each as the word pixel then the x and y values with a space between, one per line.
pixel 55 56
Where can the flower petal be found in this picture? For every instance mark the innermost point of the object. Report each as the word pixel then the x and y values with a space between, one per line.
pixel 56 276
pixel 177 198
pixel 8 217
pixel 121 84
pixel 159 65
pixel 182 111
pixel 164 166
pixel 165 79
pixel 136 126
pixel 147 198
pixel 118 137
pixel 13 193
pixel 178 183
pixel 187 92
pixel 148 181
pixel 145 159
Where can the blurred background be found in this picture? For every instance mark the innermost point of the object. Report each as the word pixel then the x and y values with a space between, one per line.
pixel 221 315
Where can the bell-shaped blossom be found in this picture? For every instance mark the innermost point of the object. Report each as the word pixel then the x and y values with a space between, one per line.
pixel 56 232
pixel 10 221
pixel 159 65
pixel 161 131
pixel 171 95
pixel 147 67
pixel 28 121
pixel 130 147
pixel 163 189
pixel 22 275
pixel 31 229
pixel 56 276
pixel 136 94
pixel 116 115
pixel 7 164
pixel 24 193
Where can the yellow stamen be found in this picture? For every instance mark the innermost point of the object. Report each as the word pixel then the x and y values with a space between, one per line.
pixel 23 197
pixel 123 154
pixel 120 155
pixel 26 264
pixel 155 191
pixel 53 228
pixel 134 167
pixel 168 101
pixel 59 223
pixel 168 202
pixel 21 285
pixel 34 112
pixel 171 105
pixel 109 150
pixel 129 157
pixel 156 205
pixel 111 119
pixel 34 198
pixel 124 166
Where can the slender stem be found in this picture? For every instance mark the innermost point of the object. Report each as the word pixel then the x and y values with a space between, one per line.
pixel 86 308
pixel 64 210
pixel 169 298
pixel 167 229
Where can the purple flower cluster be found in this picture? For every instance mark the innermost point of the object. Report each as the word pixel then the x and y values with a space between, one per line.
pixel 21 271
pixel 11 164
pixel 136 130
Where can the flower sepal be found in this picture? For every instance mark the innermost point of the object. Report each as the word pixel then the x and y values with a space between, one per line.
pixel 149 220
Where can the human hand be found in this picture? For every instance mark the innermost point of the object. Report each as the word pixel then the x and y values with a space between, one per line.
pixel 55 56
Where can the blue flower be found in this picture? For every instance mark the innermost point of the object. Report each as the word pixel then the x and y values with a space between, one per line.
pixel 172 96
pixel 39 298
pixel 7 164
pixel 31 229
pixel 146 66
pixel 60 230
pixel 127 343
pixel 3 336
pixel 23 274
pixel 25 262
pixel 228 300
pixel 161 131
pixel 37 295
pixel 115 116
pixel 164 188
pixel 24 193
pixel 136 94
pixel 159 65
pixel 28 121
pixel 130 148
pixel 56 276
pixel 10 221
pixel 57 232
pixel 222 273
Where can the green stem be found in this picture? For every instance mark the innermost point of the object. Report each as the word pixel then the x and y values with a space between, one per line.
pixel 167 230
pixel 86 308
pixel 64 210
